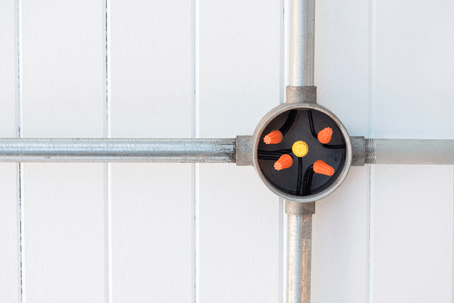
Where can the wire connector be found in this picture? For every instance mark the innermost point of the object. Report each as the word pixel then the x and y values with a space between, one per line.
pixel 275 137
pixel 320 167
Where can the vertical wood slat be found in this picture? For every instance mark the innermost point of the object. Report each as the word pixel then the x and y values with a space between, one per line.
pixel 63 96
pixel 412 205
pixel 9 235
pixel 340 224
pixel 239 81
pixel 9 214
pixel 151 84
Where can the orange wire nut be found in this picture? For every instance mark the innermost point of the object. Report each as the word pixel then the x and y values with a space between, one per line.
pixel 320 167
pixel 274 137
pixel 325 135
pixel 285 161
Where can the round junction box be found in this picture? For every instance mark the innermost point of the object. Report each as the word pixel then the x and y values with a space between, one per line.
pixel 302 122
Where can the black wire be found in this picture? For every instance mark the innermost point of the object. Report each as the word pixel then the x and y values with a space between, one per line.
pixel 307 183
pixel 268 157
pixel 274 152
pixel 289 122
pixel 311 124
pixel 333 146
pixel 300 176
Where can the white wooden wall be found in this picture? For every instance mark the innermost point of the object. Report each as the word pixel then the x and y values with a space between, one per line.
pixel 213 232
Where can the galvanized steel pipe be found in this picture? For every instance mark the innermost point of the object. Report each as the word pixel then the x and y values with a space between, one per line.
pixel 302 43
pixel 118 150
pixel 299 253
pixel 301 89
pixel 403 151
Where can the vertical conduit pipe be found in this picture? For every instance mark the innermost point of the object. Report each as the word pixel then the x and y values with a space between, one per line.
pixel 299 258
pixel 302 25
pixel 299 251
pixel 299 226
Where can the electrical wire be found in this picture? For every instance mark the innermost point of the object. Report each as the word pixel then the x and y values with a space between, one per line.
pixel 268 157
pixel 340 146
pixel 279 152
pixel 300 176
pixel 307 183
pixel 288 122
pixel 311 124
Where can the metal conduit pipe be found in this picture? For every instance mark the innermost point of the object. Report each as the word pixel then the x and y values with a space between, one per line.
pixel 396 151
pixel 299 251
pixel 301 89
pixel 402 151
pixel 239 150
pixel 118 150
pixel 299 258
pixel 302 25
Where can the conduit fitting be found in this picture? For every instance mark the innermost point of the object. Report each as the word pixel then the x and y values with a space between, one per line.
pixel 299 124
pixel 301 94
pixel 299 209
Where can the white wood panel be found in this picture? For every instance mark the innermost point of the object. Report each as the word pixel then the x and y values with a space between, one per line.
pixel 239 81
pixel 63 96
pixel 412 213
pixel 340 242
pixel 239 236
pixel 64 231
pixel 413 234
pixel 151 79
pixel 8 69
pixel 342 62
pixel 340 224
pixel 151 85
pixel 9 235
pixel 63 68
pixel 414 69
pixel 152 233
pixel 9 214
pixel 239 65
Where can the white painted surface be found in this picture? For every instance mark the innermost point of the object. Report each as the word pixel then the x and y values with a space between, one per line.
pixel 9 234
pixel 8 69
pixel 152 222
pixel 9 206
pixel 412 206
pixel 63 96
pixel 414 69
pixel 239 81
pixel 64 229
pixel 412 222
pixel 213 69
pixel 340 242
pixel 63 68
pixel 239 65
pixel 239 236
pixel 340 225
pixel 151 61
pixel 151 85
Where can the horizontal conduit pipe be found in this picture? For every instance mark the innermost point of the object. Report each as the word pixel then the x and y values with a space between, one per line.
pixel 118 150
pixel 407 151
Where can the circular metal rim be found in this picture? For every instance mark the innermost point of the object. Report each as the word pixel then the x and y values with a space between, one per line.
pixel 273 114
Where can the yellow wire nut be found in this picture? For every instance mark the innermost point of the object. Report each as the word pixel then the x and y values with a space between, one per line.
pixel 300 148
